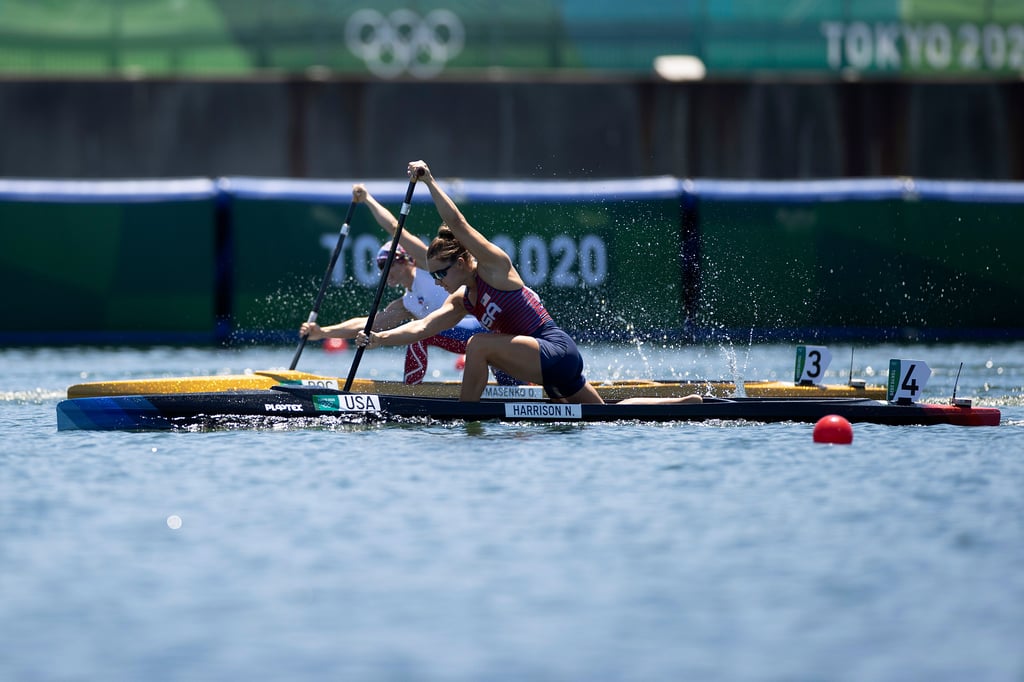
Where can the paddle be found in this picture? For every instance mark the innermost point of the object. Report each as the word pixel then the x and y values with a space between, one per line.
pixel 323 285
pixel 383 278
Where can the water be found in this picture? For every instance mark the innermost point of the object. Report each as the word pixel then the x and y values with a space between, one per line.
pixel 512 552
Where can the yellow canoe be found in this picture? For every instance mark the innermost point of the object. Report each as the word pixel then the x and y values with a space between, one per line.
pixel 611 390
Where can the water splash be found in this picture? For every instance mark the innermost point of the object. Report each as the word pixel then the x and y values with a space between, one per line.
pixel 638 343
pixel 734 372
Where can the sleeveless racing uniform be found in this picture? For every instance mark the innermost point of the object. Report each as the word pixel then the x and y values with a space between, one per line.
pixel 520 312
pixel 421 299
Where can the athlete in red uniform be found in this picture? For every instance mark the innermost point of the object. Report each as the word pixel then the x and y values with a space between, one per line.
pixel 479 277
pixel 421 298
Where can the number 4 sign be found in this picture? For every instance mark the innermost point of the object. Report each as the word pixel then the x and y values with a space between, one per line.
pixel 907 379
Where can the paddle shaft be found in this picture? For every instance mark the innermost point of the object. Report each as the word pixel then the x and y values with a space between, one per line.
pixel 327 278
pixel 383 281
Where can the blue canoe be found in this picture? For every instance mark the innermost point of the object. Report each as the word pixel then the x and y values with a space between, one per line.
pixel 253 409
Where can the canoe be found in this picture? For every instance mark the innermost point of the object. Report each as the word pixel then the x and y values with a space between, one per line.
pixel 610 390
pixel 314 406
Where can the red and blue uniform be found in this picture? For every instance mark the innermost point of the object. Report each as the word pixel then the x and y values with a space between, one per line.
pixel 421 299
pixel 520 312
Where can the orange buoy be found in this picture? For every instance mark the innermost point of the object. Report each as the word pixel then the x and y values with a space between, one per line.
pixel 833 429
pixel 332 345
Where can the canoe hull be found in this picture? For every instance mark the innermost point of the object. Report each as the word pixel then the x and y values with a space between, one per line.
pixel 253 409
pixel 616 390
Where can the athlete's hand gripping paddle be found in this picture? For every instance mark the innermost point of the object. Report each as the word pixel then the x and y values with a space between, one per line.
pixel 383 277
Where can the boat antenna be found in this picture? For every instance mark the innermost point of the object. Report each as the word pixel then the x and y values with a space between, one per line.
pixel 952 401
pixel 857 384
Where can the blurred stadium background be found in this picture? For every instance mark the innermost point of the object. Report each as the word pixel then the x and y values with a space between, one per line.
pixel 911 110
pixel 532 88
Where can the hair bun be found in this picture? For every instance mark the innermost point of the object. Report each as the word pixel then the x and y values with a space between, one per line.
pixel 445 246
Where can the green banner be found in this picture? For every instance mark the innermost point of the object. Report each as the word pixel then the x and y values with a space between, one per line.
pixel 610 268
pixel 859 263
pixel 398 38
pixel 650 259
pixel 97 263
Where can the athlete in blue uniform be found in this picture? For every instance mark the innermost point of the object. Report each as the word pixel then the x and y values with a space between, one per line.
pixel 421 298
pixel 480 278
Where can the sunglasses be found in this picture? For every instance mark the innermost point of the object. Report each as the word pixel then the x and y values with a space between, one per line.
pixel 442 273
pixel 383 260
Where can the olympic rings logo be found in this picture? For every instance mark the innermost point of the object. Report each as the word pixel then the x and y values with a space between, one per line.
pixel 405 41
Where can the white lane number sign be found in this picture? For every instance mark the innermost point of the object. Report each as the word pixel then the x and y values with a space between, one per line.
pixel 907 379
pixel 811 363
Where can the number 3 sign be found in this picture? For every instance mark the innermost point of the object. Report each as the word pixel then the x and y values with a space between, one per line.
pixel 811 363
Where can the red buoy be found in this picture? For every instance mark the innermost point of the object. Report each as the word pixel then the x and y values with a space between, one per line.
pixel 331 345
pixel 460 363
pixel 833 429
